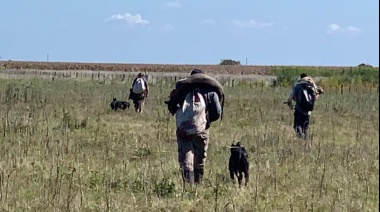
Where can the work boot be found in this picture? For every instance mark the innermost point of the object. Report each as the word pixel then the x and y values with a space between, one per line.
pixel 198 175
pixel 188 176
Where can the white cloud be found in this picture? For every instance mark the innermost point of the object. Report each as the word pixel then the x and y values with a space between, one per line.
pixel 251 24
pixel 335 28
pixel 209 22
pixel 353 29
pixel 173 4
pixel 284 27
pixel 168 28
pixel 132 19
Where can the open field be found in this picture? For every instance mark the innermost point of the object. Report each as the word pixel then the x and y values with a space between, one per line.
pixel 106 76
pixel 119 67
pixel 63 149
pixel 227 74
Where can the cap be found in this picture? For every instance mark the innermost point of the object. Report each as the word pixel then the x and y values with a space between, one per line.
pixel 196 71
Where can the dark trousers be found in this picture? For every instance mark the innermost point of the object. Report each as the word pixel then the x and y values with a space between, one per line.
pixel 138 104
pixel 138 100
pixel 301 124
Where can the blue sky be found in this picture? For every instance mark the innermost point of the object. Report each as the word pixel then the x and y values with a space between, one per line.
pixel 270 32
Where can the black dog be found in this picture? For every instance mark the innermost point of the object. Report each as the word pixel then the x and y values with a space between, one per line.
pixel 238 164
pixel 115 104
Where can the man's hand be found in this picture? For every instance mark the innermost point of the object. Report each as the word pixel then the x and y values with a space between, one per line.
pixel 289 103
pixel 181 133
pixel 320 90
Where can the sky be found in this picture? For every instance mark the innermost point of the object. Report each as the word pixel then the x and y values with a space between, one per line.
pixel 265 32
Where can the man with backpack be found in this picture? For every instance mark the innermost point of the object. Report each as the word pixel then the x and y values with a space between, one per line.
pixel 305 92
pixel 196 101
pixel 139 92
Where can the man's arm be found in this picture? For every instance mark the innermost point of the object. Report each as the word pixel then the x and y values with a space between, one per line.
pixel 214 107
pixel 147 87
pixel 291 98
pixel 133 82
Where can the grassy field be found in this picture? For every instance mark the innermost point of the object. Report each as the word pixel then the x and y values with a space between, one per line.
pixel 63 149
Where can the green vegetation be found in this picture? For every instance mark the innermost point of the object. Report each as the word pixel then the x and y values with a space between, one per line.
pixel 345 76
pixel 229 62
pixel 63 149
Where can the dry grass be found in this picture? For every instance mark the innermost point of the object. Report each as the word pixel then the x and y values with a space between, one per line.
pixel 63 149
pixel 182 68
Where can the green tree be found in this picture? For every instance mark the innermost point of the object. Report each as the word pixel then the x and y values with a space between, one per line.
pixel 229 62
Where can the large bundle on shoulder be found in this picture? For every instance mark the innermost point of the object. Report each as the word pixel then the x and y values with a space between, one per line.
pixel 306 93
pixel 184 86
pixel 139 85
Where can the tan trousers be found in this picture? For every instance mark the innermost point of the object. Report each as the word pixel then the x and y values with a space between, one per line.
pixel 192 151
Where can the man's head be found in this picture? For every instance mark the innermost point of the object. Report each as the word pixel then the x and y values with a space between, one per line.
pixel 303 75
pixel 196 71
pixel 139 75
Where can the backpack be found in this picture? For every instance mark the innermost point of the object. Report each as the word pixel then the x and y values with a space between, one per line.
pixel 139 86
pixel 306 96
pixel 191 116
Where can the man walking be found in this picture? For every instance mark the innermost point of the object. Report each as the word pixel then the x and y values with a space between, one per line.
pixel 139 92
pixel 305 92
pixel 196 102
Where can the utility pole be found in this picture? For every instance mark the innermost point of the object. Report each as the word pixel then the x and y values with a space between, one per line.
pixel 246 61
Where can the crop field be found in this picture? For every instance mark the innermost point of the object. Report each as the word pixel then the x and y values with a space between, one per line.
pixel 63 149
pixel 117 67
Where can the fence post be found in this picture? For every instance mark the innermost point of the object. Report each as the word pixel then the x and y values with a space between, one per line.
pixel 341 89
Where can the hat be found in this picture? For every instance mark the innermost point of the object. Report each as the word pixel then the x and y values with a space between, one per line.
pixel 196 71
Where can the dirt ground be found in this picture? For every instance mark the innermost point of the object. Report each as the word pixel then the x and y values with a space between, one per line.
pixel 30 69
pixel 83 71
pixel 120 67
pixel 117 67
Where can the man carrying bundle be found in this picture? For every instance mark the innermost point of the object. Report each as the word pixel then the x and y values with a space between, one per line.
pixel 139 92
pixel 304 92
pixel 196 102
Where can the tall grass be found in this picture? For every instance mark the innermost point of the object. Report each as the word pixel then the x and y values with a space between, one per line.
pixel 349 75
pixel 63 149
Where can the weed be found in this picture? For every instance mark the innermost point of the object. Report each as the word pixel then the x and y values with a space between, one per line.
pixel 62 150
